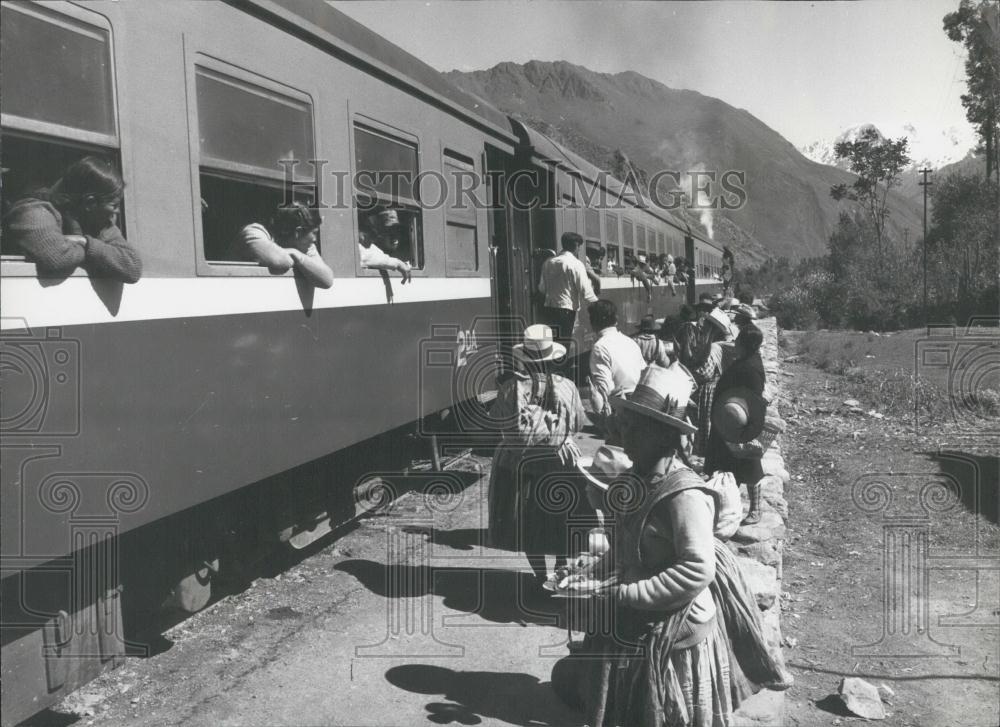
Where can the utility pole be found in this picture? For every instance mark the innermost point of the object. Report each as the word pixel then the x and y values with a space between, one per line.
pixel 925 184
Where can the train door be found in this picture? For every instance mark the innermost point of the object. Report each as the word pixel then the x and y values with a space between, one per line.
pixel 512 196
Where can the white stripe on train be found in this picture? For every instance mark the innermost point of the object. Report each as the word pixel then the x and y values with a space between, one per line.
pixel 74 301
pixel 26 302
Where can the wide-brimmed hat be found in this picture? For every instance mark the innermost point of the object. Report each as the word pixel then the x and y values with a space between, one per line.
pixel 649 324
pixel 721 321
pixel 738 414
pixel 744 311
pixel 539 345
pixel 662 394
pixel 607 464
pixel 705 302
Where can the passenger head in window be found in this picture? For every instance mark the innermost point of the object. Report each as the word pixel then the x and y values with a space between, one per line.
pixel 377 236
pixel 90 191
pixel 73 223
pixel 293 244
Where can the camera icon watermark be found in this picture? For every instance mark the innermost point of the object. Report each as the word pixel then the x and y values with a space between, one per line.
pixel 40 380
pixel 958 377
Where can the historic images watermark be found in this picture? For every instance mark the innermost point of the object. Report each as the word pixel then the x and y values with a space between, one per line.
pixel 463 189
pixel 962 366
pixel 61 526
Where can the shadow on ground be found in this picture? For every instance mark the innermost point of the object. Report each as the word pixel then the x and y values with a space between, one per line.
pixel 499 596
pixel 519 699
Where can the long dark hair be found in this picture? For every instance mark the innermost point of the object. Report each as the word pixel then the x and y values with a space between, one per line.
pixel 89 182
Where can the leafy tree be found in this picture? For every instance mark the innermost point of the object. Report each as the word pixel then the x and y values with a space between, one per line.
pixel 878 163
pixel 977 26
pixel 962 243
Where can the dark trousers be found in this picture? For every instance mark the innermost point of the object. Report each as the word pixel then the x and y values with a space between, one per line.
pixel 562 321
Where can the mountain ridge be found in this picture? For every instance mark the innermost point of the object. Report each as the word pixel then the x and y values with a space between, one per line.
pixel 789 211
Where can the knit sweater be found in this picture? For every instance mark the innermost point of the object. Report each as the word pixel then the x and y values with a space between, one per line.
pixel 36 227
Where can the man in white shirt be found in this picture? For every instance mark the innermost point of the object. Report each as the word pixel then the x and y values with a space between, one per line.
pixel 616 363
pixel 565 285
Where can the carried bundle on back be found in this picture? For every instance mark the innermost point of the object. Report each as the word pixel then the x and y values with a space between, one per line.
pixel 543 421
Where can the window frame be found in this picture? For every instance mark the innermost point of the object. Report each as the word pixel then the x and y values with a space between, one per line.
pixel 466 218
pixel 380 127
pixel 233 170
pixel 18 266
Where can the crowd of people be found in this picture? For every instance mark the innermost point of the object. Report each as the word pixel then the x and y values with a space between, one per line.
pixel 682 406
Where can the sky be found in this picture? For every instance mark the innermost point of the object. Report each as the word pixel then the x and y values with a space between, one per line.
pixel 807 69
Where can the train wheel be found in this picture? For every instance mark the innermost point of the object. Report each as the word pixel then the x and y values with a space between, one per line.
pixel 193 592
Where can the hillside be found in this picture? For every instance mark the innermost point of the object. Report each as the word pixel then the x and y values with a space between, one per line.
pixel 789 211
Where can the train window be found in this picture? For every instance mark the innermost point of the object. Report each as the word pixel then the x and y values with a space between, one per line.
pixel 611 226
pixel 57 69
pixel 460 238
pixel 58 99
pixel 245 132
pixel 613 254
pixel 592 224
pixel 385 173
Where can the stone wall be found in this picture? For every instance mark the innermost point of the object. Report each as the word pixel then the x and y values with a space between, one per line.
pixel 759 547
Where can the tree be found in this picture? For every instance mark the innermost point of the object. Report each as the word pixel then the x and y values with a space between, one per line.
pixel 977 26
pixel 878 162
pixel 961 242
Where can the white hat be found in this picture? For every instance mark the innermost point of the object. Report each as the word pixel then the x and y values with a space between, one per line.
pixel 658 389
pixel 719 319
pixel 607 464
pixel 539 345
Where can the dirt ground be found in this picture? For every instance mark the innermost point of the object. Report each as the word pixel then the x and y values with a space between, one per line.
pixel 891 564
pixel 904 594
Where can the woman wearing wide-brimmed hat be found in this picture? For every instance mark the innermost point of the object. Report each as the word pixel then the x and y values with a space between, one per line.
pixel 685 645
pixel 539 412
pixel 738 418
pixel 715 329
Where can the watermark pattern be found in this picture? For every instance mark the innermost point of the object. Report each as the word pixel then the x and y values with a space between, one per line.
pixel 907 561
pixel 464 189
pixel 969 363
pixel 40 374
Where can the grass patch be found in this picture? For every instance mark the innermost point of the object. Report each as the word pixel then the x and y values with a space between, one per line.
pixel 883 372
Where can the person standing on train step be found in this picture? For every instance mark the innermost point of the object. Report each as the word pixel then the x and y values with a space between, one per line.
pixel 616 363
pixel 653 350
pixel 293 245
pixel 671 274
pixel 73 223
pixel 565 285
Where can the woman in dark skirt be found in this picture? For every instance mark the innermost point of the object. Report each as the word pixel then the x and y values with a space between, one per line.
pixel 685 644
pixel 744 379
pixel 531 494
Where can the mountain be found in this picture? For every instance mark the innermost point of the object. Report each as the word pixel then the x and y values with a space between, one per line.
pixel 927 149
pixel 789 211
pixel 945 150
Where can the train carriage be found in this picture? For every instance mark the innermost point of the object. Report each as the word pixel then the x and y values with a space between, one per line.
pixel 152 430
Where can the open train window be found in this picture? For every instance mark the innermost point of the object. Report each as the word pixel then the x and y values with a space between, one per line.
pixel 611 227
pixel 248 135
pixel 613 254
pixel 385 177
pixel 628 242
pixel 58 100
pixel 461 239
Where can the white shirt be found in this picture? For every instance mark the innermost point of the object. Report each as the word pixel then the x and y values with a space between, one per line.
pixel 616 363
pixel 565 283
